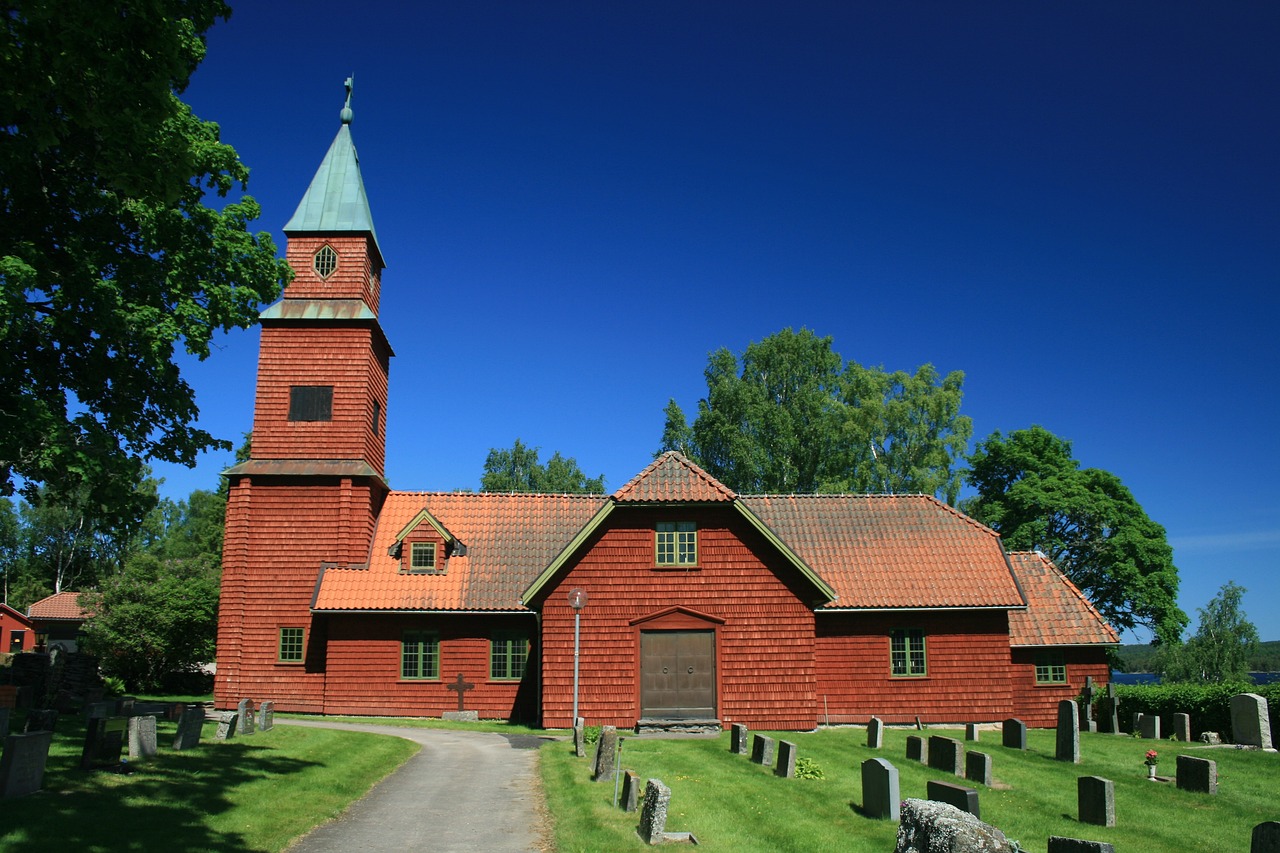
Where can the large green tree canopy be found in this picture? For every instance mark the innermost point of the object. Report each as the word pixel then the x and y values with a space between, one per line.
pixel 791 416
pixel 1035 494
pixel 109 256
pixel 518 470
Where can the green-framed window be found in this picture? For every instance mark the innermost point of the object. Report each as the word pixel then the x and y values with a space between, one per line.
pixel 677 543
pixel 419 655
pixel 290 649
pixel 906 653
pixel 1051 668
pixel 422 557
pixel 508 656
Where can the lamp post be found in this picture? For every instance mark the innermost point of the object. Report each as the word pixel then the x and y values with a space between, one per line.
pixel 577 600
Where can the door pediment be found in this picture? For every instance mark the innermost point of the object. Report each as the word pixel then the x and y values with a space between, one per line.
pixel 677 618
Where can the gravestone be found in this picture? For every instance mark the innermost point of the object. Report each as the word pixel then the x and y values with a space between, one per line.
pixel 1250 723
pixel 1149 726
pixel 932 826
pixel 226 726
pixel 606 752
pixel 1266 838
pixel 1197 774
pixel 579 737
pixel 41 720
pixel 875 733
pixel 1110 708
pixel 244 717
pixel 786 760
pixel 1096 800
pixel 946 754
pixel 653 817
pixel 4 722
pixel 97 710
pixel 630 791
pixel 917 749
pixel 1013 734
pixel 880 790
pixel 1067 746
pixel 977 768
pixel 965 799
pixel 1211 738
pixel 266 715
pixel 124 706
pixel 1181 728
pixel 104 739
pixel 460 685
pixel 971 731
pixel 1087 696
pixel 762 750
pixel 22 765
pixel 738 743
pixel 175 711
pixel 190 726
pixel 142 738
pixel 1058 844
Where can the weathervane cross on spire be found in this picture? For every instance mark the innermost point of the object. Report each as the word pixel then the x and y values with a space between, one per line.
pixel 346 113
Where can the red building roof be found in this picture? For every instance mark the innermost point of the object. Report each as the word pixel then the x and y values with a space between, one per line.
pixel 1059 614
pixel 59 606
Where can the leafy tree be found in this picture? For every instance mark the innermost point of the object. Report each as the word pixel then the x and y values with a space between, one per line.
pixel 154 618
pixel 792 416
pixel 1223 646
pixel 109 257
pixel 518 470
pixel 1035 494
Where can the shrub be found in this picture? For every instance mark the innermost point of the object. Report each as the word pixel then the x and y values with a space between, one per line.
pixel 1208 704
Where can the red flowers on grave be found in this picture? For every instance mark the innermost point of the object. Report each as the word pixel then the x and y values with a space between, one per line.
pixel 1151 758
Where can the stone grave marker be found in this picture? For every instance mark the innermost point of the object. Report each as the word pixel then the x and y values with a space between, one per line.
pixel 4 722
pixel 1197 774
pixel 1250 721
pixel 762 749
pixel 580 737
pixel 96 710
pixel 1266 838
pixel 977 768
pixel 917 749
pixel 1067 746
pixel 190 726
pixel 1013 734
pixel 266 715
pixel 653 817
pixel 946 754
pixel 22 765
pixel 1087 695
pixel 142 738
pixel 786 760
pixel 881 793
pixel 606 752
pixel 965 799
pixel 875 733
pixel 1058 844
pixel 630 791
pixel 124 706
pixel 1181 728
pixel 460 685
pixel 927 825
pixel 104 739
pixel 1096 799
pixel 1211 738
pixel 971 731
pixel 41 720
pixel 1110 708
pixel 244 717
pixel 1149 726
pixel 226 726
pixel 175 711
pixel 738 743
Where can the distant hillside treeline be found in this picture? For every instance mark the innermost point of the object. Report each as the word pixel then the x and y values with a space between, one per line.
pixel 1141 658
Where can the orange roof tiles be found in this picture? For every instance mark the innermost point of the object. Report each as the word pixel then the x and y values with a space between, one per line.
pixel 60 605
pixel 1059 614
pixel 673 477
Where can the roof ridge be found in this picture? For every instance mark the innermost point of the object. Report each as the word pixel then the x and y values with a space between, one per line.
pixel 629 490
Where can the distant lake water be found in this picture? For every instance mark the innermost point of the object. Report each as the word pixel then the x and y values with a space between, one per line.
pixel 1152 678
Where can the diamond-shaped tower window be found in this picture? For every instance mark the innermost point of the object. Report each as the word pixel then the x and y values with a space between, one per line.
pixel 325 261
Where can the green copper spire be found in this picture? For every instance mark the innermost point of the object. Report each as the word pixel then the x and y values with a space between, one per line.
pixel 336 200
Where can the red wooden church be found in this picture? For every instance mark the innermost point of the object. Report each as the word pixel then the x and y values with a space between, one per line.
pixel 342 596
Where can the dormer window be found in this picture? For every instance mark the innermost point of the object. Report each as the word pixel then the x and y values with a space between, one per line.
pixel 325 261
pixel 422 557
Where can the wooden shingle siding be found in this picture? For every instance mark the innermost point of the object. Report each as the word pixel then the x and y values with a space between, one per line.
pixel 356 277
pixel 1037 705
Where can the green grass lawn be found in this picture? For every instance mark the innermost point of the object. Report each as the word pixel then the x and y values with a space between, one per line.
pixel 731 804
pixel 252 793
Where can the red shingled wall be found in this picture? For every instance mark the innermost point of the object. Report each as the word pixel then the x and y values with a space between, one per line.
pixel 357 276
pixel 967 659
pixel 764 647
pixel 1037 705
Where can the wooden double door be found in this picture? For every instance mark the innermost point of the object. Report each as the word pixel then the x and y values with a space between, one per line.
pixel 678 675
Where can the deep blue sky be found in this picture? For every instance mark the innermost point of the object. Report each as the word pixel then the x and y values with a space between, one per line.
pixel 1078 205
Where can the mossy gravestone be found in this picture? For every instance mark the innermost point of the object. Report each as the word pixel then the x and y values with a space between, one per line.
pixel 22 765
pixel 606 752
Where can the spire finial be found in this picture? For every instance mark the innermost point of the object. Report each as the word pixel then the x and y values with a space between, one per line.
pixel 346 113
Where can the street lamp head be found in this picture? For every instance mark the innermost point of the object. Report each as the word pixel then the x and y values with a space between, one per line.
pixel 577 598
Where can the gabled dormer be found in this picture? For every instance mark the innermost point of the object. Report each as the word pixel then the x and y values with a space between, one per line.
pixel 424 546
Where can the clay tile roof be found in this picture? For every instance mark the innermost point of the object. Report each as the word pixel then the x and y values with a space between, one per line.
pixel 509 539
pixel 892 551
pixel 60 605
pixel 673 477
pixel 1058 613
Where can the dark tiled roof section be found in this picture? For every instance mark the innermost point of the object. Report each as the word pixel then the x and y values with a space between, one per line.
pixel 510 539
pixel 60 605
pixel 892 551
pixel 1059 614
pixel 673 477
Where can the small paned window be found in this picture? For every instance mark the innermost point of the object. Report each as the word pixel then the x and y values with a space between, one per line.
pixel 906 652
pixel 325 261
pixel 290 645
pixel 419 655
pixel 422 557
pixel 677 543
pixel 1051 668
pixel 508 654
pixel 311 403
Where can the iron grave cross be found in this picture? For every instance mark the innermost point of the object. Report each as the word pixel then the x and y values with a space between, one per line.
pixel 462 686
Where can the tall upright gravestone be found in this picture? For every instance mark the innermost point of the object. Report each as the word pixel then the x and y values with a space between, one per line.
pixel 190 727
pixel 880 789
pixel 875 733
pixel 606 755
pixel 245 722
pixel 22 765
pixel 142 738
pixel 1068 739
pixel 1251 721
pixel 1013 734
